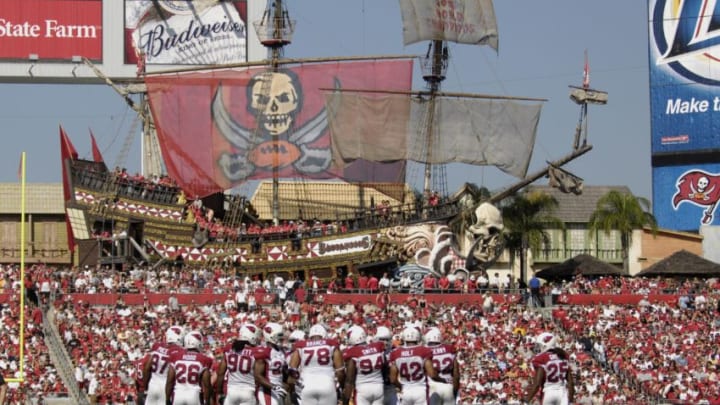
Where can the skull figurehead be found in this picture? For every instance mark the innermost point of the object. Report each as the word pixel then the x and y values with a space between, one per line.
pixel 702 184
pixel 274 99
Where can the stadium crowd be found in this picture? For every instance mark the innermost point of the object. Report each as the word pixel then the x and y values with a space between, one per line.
pixel 640 353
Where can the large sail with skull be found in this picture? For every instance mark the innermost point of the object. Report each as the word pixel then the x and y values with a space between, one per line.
pixel 220 128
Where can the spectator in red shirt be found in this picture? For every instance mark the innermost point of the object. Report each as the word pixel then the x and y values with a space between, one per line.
pixel 429 283
pixel 444 284
pixel 373 284
pixel 362 283
pixel 349 283
pixel 383 300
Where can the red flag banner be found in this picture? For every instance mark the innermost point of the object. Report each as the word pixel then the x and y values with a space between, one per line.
pixel 67 152
pixel 221 128
pixel 97 156
pixel 699 188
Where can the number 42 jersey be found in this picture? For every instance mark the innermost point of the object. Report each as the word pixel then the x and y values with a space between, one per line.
pixel 410 362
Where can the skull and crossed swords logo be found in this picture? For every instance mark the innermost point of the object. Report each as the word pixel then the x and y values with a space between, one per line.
pixel 275 99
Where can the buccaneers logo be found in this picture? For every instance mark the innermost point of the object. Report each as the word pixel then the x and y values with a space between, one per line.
pixel 699 188
pixel 275 100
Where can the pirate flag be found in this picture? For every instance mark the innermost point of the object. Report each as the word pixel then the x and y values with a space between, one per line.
pixel 699 188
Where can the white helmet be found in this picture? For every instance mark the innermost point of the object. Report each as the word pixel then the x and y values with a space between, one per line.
pixel 317 330
pixel 273 333
pixel 249 333
pixel 193 340
pixel 383 333
pixel 174 335
pixel 433 336
pixel 410 335
pixel 545 341
pixel 356 336
pixel 296 335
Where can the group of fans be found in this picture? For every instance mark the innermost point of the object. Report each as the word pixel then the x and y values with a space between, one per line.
pixel 266 366
pixel 630 353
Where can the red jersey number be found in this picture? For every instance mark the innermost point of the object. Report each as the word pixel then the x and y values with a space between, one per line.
pixel 366 366
pixel 239 363
pixel 187 373
pixel 159 363
pixel 556 371
pixel 322 354
pixel 412 371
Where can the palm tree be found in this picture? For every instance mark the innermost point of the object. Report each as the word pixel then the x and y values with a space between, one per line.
pixel 526 217
pixel 623 212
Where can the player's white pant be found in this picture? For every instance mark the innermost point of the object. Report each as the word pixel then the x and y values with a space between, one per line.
pixel 318 390
pixel 240 395
pixel 265 397
pixel 555 395
pixel 186 397
pixel 369 394
pixel 441 393
pixel 390 395
pixel 415 396
pixel 155 394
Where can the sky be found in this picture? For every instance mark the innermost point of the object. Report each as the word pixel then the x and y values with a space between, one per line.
pixel 541 52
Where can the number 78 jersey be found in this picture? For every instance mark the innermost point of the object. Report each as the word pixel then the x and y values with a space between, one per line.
pixel 316 356
pixel 410 362
pixel 369 362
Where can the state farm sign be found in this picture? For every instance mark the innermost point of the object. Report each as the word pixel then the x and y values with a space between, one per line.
pixel 51 29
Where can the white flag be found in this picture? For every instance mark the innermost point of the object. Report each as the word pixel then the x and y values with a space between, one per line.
pixel 462 21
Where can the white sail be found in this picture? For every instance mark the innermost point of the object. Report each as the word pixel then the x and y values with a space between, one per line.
pixel 462 21
pixel 391 127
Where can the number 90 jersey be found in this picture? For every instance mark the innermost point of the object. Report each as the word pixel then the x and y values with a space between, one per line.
pixel 316 357
pixel 410 363
pixel 556 368
pixel 369 362
pixel 240 367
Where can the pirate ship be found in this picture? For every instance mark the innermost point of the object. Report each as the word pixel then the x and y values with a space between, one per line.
pixel 331 143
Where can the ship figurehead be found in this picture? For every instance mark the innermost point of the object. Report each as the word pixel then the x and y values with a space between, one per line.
pixel 275 99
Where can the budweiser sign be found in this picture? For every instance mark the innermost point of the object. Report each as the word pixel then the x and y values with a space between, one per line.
pixel 200 32
pixel 51 29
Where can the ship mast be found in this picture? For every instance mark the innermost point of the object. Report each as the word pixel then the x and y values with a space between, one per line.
pixel 274 31
pixel 434 67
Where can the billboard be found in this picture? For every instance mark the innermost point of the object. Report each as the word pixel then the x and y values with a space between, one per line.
pixel 50 30
pixel 186 32
pixel 684 75
pixel 686 197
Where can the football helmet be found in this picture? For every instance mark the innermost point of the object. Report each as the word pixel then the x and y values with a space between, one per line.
pixel 317 330
pixel 273 333
pixel 410 335
pixel 383 334
pixel 356 336
pixel 296 335
pixel 433 336
pixel 193 340
pixel 174 335
pixel 249 333
pixel 545 341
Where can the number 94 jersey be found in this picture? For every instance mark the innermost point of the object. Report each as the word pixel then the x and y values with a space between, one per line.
pixel 369 362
